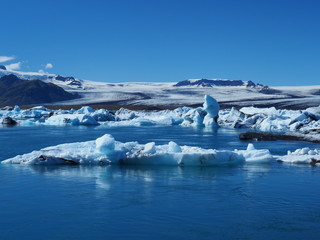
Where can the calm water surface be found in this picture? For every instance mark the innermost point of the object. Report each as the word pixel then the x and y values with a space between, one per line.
pixel 261 201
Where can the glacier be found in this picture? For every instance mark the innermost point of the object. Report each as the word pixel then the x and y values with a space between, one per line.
pixel 228 92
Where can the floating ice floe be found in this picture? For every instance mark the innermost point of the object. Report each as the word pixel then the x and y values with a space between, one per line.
pixel 202 116
pixel 72 119
pixel 105 150
pixel 302 156
pixel 306 123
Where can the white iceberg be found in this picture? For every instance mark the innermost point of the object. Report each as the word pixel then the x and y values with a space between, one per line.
pixel 206 116
pixel 252 155
pixel 194 117
pixel 301 156
pixel 254 111
pixel 305 122
pixel 201 116
pixel 72 119
pixel 211 106
pixel 105 150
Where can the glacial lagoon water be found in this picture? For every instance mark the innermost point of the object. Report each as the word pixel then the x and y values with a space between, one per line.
pixel 250 201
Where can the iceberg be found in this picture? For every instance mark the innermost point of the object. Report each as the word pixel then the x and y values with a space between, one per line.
pixel 194 117
pixel 301 122
pixel 73 119
pixel 211 106
pixel 86 110
pixel 253 155
pixel 254 111
pixel 185 116
pixel 106 150
pixel 206 116
pixel 301 156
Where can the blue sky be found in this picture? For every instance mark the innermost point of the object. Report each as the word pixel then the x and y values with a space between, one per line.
pixel 266 41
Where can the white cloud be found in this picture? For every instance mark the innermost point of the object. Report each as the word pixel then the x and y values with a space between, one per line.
pixel 6 59
pixel 13 66
pixel 41 71
pixel 48 66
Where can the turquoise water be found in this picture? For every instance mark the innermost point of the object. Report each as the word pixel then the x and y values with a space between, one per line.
pixel 261 201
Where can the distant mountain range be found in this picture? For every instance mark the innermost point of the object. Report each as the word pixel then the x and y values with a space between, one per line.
pixel 215 82
pixel 16 91
pixel 44 88
pixel 64 82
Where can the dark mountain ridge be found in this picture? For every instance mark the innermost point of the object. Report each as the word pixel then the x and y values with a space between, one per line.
pixel 16 91
pixel 215 82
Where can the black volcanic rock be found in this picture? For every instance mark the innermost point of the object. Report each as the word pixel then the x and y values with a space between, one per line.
pixel 250 84
pixel 2 67
pixel 64 79
pixel 9 121
pixel 268 136
pixel 16 91
pixel 71 81
pixel 214 82
pixel 267 90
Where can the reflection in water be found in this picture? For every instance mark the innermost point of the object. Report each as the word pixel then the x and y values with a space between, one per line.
pixel 250 201
pixel 254 171
pixel 144 176
pixel 162 202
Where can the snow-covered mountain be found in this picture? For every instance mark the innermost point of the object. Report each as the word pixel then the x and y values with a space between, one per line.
pixel 215 82
pixel 16 91
pixel 64 82
pixel 167 95
pixel 185 93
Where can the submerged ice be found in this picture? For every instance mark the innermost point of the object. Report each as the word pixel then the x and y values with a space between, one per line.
pixel 106 150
